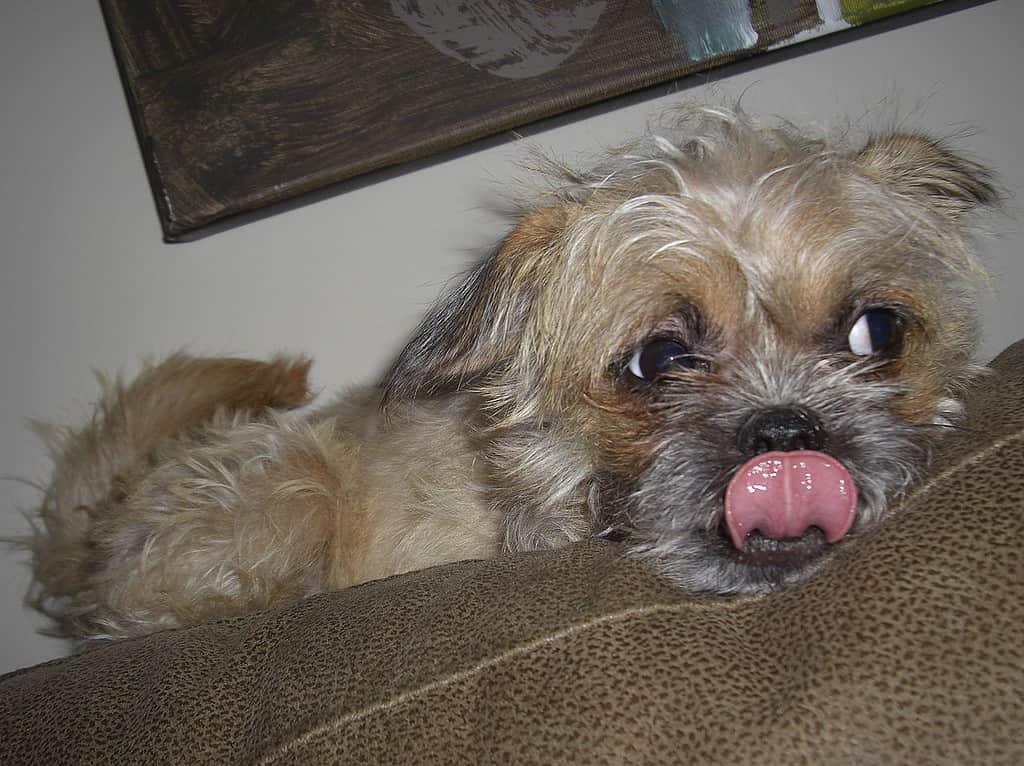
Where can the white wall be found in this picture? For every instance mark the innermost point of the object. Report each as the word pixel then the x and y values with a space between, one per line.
pixel 86 282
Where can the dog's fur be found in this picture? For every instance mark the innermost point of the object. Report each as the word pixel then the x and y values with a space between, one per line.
pixel 511 420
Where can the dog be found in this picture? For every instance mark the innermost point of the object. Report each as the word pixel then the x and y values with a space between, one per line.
pixel 730 345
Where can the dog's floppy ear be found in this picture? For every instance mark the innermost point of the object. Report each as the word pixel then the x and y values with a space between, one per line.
pixel 479 325
pixel 923 168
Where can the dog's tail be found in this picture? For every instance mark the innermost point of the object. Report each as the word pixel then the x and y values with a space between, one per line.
pixel 93 465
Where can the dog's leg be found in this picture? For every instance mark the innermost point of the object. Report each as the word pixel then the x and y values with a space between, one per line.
pixel 242 516
pixel 97 466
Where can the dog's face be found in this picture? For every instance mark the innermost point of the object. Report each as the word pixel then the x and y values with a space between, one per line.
pixel 734 348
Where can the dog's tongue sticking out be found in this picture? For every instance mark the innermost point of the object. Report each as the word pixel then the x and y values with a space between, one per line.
pixel 784 494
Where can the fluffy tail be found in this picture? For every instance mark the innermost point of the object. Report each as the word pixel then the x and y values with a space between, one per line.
pixel 93 464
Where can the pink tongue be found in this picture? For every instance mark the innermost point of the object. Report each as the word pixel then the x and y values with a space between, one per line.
pixel 783 494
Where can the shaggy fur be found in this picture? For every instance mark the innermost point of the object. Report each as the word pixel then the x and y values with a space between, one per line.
pixel 514 418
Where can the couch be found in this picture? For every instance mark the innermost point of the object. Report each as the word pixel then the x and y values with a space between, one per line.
pixel 908 649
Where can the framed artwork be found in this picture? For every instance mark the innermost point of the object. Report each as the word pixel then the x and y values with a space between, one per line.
pixel 242 105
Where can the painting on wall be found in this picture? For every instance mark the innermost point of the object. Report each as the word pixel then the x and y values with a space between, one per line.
pixel 241 106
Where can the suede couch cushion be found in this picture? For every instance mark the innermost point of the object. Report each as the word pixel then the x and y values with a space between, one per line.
pixel 909 650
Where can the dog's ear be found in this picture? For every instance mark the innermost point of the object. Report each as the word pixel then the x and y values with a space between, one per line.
pixel 479 325
pixel 923 168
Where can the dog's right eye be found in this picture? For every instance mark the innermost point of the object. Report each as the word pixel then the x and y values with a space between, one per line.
pixel 661 356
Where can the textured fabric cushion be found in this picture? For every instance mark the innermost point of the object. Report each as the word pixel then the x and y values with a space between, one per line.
pixel 908 650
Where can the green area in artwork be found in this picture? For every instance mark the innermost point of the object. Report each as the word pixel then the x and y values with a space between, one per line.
pixel 860 11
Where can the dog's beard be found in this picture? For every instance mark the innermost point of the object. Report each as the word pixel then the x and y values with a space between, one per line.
pixel 674 512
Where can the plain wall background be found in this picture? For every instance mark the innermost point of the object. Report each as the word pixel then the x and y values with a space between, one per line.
pixel 86 282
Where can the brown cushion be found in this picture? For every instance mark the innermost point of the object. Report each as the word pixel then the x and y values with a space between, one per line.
pixel 907 650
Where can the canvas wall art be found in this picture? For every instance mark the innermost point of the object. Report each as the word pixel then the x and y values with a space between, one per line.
pixel 242 105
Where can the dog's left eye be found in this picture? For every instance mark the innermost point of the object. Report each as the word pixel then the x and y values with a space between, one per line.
pixel 876 331
pixel 660 356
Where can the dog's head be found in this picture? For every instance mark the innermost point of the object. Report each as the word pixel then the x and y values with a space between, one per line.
pixel 741 341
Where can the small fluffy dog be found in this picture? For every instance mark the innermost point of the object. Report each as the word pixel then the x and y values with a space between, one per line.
pixel 730 348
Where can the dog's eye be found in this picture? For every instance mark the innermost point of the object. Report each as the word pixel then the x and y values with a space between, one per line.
pixel 876 332
pixel 661 356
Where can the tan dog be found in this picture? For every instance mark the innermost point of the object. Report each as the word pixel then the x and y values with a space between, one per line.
pixel 730 348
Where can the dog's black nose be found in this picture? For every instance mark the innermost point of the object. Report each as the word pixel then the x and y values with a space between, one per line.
pixel 782 429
